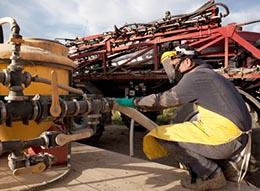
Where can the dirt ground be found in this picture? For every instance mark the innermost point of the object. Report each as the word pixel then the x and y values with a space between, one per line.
pixel 116 138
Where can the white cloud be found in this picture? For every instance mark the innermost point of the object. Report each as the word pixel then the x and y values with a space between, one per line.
pixel 246 15
pixel 59 18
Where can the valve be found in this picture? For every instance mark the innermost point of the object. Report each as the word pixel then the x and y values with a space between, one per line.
pixel 55 109
pixel 23 164
pixel 63 139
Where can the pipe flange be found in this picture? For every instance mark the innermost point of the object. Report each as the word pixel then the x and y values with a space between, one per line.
pixel 35 110
pixel 64 112
pixel 50 158
pixel 16 98
pixel 88 103
pixel 7 78
pixel 77 107
pixel 27 79
pixel 89 107
pixel 1 148
pixel 44 135
pixel 93 122
pixel 107 105
pixel 3 112
pixel 94 116
pixel 27 162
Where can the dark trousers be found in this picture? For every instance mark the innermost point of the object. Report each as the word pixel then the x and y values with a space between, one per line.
pixel 204 160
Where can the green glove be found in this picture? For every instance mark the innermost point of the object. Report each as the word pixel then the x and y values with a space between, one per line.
pixel 127 102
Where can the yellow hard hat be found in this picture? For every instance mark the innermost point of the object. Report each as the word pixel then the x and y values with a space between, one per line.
pixel 180 51
pixel 168 54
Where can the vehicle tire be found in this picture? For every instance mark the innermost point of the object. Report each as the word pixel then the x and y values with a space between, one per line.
pixel 80 122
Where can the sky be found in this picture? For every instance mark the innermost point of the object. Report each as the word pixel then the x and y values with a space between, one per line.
pixel 75 18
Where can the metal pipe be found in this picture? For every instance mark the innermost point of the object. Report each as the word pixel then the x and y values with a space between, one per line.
pixel 248 23
pixel 62 86
pixel 38 110
pixel 131 138
pixel 15 29
pixel 15 68
pixel 47 139
pixel 15 35
pixel 18 146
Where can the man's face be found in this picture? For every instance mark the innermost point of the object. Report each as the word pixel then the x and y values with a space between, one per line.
pixel 182 65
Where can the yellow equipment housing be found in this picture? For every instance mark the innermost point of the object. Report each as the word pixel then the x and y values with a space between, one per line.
pixel 39 57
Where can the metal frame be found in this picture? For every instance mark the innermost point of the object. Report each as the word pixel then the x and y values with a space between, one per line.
pixel 101 49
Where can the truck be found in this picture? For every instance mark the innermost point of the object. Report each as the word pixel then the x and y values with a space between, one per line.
pixel 126 62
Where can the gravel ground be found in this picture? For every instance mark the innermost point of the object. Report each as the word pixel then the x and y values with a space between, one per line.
pixel 116 138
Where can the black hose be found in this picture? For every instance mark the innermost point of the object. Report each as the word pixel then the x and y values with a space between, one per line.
pixel 225 7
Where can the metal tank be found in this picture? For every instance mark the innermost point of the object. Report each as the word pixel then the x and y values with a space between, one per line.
pixel 39 57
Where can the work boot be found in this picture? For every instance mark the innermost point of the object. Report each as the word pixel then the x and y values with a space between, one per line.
pixel 231 171
pixel 216 181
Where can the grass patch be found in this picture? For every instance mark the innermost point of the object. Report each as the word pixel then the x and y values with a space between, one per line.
pixel 116 118
pixel 166 116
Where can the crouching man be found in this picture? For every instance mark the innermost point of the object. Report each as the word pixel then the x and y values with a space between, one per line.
pixel 219 135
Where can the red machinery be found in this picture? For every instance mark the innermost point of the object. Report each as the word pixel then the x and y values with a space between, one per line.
pixel 126 61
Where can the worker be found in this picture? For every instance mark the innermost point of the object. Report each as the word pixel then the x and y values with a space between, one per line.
pixel 220 133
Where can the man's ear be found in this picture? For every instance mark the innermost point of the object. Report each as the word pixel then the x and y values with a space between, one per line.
pixel 189 62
